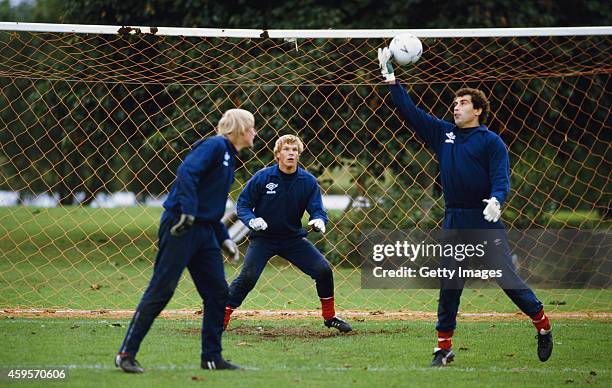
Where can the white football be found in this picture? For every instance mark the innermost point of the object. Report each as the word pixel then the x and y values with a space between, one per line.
pixel 406 48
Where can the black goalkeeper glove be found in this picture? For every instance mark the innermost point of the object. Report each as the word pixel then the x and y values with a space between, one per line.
pixel 183 225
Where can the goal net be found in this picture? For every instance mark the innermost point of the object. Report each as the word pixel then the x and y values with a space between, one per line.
pixel 94 121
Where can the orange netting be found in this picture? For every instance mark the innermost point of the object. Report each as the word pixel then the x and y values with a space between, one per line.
pixel 83 116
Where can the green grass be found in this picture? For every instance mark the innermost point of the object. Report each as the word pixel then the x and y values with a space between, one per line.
pixel 102 259
pixel 85 258
pixel 303 352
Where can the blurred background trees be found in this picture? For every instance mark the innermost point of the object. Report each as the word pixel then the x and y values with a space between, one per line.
pixel 310 14
pixel 113 135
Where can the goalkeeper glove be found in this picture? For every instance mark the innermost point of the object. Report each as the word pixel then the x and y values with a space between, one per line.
pixel 230 247
pixel 258 224
pixel 384 60
pixel 318 225
pixel 492 211
pixel 184 223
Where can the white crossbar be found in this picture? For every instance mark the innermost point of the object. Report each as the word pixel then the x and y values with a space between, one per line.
pixel 255 33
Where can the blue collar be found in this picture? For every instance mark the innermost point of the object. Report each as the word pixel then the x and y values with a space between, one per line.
pixel 480 128
pixel 229 145
pixel 467 132
pixel 301 173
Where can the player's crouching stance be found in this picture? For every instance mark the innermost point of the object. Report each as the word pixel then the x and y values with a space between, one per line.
pixel 272 205
pixel 191 235
pixel 474 170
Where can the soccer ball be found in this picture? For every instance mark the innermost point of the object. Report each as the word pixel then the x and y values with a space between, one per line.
pixel 406 48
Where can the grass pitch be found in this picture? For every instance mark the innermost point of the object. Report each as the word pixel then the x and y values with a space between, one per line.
pixel 304 353
pixel 102 259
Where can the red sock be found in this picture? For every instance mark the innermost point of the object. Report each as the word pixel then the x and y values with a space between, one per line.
pixel 327 307
pixel 226 318
pixel 540 321
pixel 445 339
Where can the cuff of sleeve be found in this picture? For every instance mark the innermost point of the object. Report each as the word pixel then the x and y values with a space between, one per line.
pixel 500 198
pixel 324 219
pixel 188 210
pixel 221 232
pixel 225 236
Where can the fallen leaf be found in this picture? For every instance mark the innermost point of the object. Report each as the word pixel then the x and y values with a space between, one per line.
pixel 557 303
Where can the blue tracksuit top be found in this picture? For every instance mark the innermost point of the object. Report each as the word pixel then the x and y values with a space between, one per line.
pixel 281 200
pixel 203 182
pixel 473 162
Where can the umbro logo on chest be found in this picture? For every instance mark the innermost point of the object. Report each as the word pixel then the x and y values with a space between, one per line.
pixel 271 187
pixel 226 159
pixel 450 138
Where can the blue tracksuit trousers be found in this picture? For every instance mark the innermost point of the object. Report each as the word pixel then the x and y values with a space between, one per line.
pixel 298 251
pixel 469 226
pixel 200 252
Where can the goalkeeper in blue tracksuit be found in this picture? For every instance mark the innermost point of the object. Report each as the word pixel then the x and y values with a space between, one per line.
pixel 191 236
pixel 474 171
pixel 272 205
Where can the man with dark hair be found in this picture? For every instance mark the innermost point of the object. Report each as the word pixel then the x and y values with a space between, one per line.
pixel 474 170
pixel 479 100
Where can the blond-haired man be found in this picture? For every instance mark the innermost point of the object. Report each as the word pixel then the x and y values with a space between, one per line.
pixel 272 205
pixel 191 235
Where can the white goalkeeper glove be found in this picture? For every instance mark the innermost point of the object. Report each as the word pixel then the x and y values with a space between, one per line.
pixel 183 225
pixel 258 224
pixel 318 225
pixel 384 60
pixel 230 247
pixel 492 211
